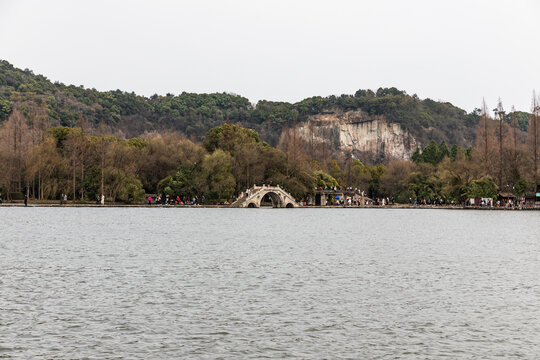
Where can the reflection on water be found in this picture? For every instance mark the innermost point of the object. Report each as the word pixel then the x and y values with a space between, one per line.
pixel 277 283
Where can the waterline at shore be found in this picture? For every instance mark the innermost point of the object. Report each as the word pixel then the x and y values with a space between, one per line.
pixel 395 206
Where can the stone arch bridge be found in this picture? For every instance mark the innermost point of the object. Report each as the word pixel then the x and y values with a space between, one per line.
pixel 279 197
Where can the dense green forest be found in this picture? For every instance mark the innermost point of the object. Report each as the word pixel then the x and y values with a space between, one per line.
pixel 194 114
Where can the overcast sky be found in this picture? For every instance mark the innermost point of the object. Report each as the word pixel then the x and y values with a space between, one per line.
pixel 456 51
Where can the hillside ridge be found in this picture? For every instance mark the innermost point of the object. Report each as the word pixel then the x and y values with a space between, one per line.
pixel 193 114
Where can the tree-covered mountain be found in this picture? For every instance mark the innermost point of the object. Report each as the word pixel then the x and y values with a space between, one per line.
pixel 132 114
pixel 57 139
pixel 194 114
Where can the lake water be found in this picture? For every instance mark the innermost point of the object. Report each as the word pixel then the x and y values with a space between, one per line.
pixel 169 283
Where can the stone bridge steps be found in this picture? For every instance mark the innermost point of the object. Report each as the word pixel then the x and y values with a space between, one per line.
pixel 243 198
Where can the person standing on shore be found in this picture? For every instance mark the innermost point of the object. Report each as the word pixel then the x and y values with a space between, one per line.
pixel 25 200
pixel 149 200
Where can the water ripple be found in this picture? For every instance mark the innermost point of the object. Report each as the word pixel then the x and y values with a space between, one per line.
pixel 85 283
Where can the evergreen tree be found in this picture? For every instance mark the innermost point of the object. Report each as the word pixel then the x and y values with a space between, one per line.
pixel 431 153
pixel 454 151
pixel 443 150
pixel 417 156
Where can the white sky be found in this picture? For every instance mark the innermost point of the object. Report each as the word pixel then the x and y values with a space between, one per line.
pixel 457 51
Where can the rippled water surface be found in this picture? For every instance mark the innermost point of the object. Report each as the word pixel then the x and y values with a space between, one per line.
pixel 162 283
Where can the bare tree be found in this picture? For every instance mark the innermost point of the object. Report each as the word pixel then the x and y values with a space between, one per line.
pixel 74 146
pixel 15 141
pixel 311 128
pixel 501 117
pixel 533 136
pixel 484 137
pixel 102 146
pixel 515 129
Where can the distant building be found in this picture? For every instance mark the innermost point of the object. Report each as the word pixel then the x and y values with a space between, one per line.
pixel 532 200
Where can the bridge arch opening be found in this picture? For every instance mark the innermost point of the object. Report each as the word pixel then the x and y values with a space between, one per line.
pixel 267 201
pixel 251 205
pixel 289 205
pixel 273 198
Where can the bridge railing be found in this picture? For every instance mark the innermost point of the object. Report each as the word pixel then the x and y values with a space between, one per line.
pixel 255 189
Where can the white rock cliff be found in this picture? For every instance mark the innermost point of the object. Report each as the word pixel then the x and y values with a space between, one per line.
pixel 365 137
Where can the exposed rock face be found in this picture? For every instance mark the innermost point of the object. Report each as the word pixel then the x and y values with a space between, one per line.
pixel 365 137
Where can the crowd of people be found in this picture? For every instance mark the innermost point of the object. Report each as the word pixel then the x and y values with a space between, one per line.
pixel 171 200
pixel 506 203
pixel 349 198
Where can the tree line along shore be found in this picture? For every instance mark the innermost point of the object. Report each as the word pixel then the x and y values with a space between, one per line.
pixel 59 141
pixel 84 164
pixel 71 204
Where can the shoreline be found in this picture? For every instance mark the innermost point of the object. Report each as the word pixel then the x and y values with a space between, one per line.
pixel 396 206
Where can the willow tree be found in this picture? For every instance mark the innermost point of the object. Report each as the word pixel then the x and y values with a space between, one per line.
pixel 46 162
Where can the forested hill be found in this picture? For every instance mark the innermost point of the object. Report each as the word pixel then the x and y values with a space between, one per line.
pixel 195 114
